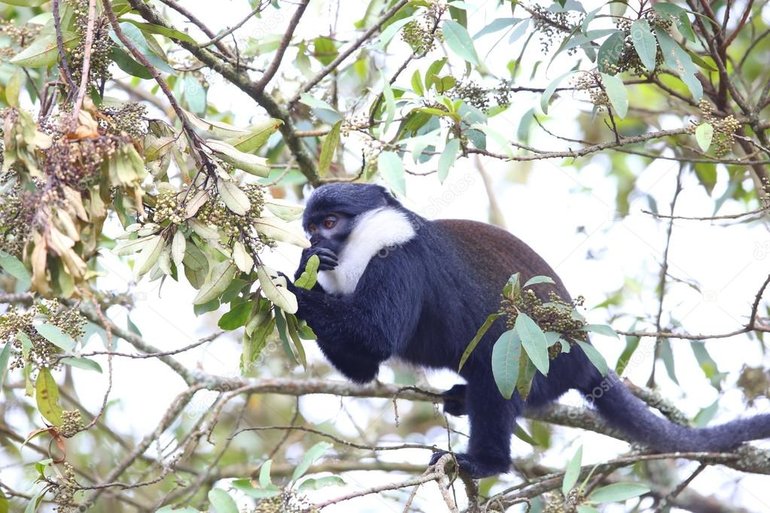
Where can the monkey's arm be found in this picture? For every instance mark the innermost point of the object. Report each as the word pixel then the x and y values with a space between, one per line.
pixel 359 331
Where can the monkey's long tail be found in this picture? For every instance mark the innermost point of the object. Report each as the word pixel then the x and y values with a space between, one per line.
pixel 624 411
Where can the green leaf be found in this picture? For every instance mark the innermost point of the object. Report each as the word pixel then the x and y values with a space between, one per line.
pixel 602 329
pixel 260 131
pixel 534 342
pixel 194 94
pixel 275 290
pixel 43 51
pixel 572 472
pixel 47 397
pixel 458 40
pixel 5 356
pixel 309 276
pixel 644 43
pixel 222 502
pixel 538 279
pixel 15 268
pixel 448 158
pixel 280 231
pixel 264 474
pixel 235 199
pixel 595 357
pixel 237 316
pixel 477 338
pixel 618 492
pixel 550 89
pixel 391 168
pixel 390 32
pixel 609 53
pixel 506 354
pixel 127 63
pixel 680 62
pixel 585 508
pixel 704 133
pixel 252 164
pixel 217 281
pixel 3 503
pixel 309 458
pixel 632 343
pixel 667 355
pixel 13 87
pixel 163 31
pixel 139 41
pixel 616 92
pixel 56 336
pixel 328 149
pixel 497 25
pixel 316 483
pixel 82 363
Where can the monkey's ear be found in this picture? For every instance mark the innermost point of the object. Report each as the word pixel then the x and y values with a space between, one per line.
pixel 390 200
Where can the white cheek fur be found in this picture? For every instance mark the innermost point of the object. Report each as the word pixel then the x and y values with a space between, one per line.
pixel 374 231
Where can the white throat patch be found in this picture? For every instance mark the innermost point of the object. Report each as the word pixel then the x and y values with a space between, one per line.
pixel 374 231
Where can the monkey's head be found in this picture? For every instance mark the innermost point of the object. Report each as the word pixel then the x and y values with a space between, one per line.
pixel 331 211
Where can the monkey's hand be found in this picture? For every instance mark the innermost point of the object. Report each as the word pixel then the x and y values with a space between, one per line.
pixel 474 466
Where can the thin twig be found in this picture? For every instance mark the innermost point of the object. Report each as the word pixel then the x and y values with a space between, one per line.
pixel 349 50
pixel 60 48
pixel 285 40
pixel 86 68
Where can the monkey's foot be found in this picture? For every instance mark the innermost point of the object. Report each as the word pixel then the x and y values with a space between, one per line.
pixel 475 467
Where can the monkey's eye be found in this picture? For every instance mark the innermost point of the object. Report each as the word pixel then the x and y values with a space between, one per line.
pixel 329 222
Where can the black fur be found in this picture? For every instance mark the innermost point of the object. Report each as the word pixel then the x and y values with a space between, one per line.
pixel 423 302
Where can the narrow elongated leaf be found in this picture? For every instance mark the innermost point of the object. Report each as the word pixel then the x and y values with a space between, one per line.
pixel 549 90
pixel 497 25
pixel 247 162
pixel 258 134
pixel 222 502
pixel 572 472
pixel 447 158
pixel 5 355
pixel 47 397
pixel 150 254
pixel 458 40
pixel 644 43
pixel 235 199
pixel 616 92
pixel 178 247
pixel 56 336
pixel 309 458
pixel 82 363
pixel 506 354
pixel 194 94
pixel 609 52
pixel 680 62
pixel 329 148
pixel 601 329
pixel 284 210
pixel 538 279
pixel 534 341
pixel 477 338
pixel 617 492
pixel 595 356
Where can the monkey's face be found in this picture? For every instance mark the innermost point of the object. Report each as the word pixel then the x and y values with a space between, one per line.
pixel 329 230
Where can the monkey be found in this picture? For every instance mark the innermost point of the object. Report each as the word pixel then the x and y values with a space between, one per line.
pixel 392 284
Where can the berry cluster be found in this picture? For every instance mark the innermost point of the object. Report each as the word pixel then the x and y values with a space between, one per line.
pixel 724 129
pixel 423 34
pixel 42 353
pixel 554 315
